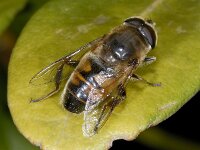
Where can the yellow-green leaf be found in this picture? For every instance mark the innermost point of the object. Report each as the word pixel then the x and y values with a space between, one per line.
pixel 8 9
pixel 62 26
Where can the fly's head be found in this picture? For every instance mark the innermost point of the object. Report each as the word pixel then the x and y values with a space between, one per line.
pixel 146 29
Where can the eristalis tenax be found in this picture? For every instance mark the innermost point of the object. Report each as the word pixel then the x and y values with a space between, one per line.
pixel 97 84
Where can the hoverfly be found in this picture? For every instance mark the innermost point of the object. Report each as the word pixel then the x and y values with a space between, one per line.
pixel 97 84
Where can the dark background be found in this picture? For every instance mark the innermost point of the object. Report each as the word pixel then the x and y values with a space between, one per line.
pixel 182 125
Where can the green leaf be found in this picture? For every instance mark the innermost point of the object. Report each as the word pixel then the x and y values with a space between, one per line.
pixel 8 10
pixel 62 26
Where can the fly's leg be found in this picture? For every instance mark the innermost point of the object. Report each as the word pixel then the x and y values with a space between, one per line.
pixel 148 60
pixel 57 85
pixel 57 79
pixel 72 63
pixel 136 77
pixel 109 107
pixel 58 66
pixel 121 91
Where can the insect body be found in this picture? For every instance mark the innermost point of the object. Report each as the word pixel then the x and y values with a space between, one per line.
pixel 97 84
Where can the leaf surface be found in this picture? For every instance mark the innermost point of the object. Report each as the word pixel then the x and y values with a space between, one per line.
pixel 61 26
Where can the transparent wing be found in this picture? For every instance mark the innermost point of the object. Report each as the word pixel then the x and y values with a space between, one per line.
pixel 48 74
pixel 98 109
pixel 95 119
pixel 97 113
pixel 56 72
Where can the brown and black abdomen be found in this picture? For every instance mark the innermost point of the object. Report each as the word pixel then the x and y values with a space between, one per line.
pixel 72 103
pixel 80 84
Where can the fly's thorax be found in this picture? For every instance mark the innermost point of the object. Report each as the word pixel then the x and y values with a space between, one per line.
pixel 122 45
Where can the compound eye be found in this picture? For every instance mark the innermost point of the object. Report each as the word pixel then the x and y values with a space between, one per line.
pixel 145 28
pixel 150 35
pixel 137 22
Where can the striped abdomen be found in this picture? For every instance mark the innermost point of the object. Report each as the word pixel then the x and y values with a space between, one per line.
pixel 81 83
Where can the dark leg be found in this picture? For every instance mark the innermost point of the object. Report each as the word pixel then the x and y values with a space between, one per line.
pixel 136 77
pixel 72 63
pixel 109 107
pixel 57 85
pixel 66 60
pixel 149 60
pixel 121 91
